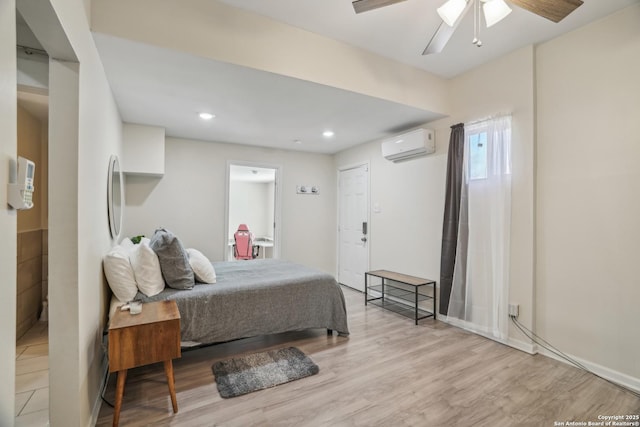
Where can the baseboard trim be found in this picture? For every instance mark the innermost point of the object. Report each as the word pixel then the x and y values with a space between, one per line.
pixel 610 374
pixel 98 403
pixel 529 348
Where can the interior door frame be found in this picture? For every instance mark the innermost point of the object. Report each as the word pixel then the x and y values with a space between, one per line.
pixel 339 170
pixel 277 214
pixel 63 295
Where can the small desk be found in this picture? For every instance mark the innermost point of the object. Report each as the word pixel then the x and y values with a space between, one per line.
pixel 405 300
pixel 141 339
pixel 264 244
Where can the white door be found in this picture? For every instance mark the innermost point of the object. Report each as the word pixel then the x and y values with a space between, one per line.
pixel 353 233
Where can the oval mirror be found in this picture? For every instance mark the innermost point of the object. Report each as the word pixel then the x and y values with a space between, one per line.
pixel 115 196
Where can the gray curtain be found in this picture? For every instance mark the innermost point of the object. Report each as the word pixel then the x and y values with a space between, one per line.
pixel 451 214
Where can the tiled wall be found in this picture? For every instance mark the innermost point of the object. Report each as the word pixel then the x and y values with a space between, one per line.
pixel 32 255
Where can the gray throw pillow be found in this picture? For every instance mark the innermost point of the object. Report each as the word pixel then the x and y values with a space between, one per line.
pixel 174 261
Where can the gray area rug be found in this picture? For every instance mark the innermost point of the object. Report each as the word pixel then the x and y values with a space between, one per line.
pixel 253 372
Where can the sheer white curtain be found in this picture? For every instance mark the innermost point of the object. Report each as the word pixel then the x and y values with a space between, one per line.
pixel 480 287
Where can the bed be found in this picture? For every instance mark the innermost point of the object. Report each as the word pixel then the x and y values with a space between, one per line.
pixel 257 297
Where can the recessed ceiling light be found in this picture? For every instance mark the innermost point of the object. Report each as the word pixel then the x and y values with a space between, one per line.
pixel 328 133
pixel 206 116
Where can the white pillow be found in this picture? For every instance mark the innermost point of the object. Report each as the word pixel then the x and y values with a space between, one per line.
pixel 127 244
pixel 146 269
pixel 201 267
pixel 119 273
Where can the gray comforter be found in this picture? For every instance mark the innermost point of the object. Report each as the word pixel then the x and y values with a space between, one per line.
pixel 258 297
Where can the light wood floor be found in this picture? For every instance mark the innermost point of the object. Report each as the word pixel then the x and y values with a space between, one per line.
pixel 388 372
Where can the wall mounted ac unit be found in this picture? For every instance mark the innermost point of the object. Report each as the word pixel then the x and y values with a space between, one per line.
pixel 410 144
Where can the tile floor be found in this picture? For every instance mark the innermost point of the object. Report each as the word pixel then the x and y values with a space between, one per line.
pixel 32 377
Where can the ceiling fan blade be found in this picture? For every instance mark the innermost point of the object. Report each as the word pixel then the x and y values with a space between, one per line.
pixel 439 40
pixel 365 5
pixel 553 10
pixel 443 34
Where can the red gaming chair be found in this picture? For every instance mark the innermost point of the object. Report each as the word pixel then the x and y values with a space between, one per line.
pixel 244 247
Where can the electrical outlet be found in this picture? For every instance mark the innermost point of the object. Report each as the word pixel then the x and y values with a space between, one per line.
pixel 514 310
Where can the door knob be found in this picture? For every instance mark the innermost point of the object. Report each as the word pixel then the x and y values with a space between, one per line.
pixel 364 239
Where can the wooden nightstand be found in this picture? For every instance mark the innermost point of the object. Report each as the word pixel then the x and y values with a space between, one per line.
pixel 141 339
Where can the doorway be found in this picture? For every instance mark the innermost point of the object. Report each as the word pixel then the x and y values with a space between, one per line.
pixel 353 225
pixel 31 389
pixel 51 388
pixel 253 200
pixel 32 328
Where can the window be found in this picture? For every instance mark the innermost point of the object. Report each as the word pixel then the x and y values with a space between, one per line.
pixel 478 156
pixel 488 149
pixel 480 285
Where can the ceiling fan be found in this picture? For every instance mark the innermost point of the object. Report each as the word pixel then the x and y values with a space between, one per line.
pixel 452 12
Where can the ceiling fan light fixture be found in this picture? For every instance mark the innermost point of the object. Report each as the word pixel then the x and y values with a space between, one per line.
pixel 495 11
pixel 450 11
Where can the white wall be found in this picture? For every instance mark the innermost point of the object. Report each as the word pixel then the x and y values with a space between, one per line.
pixel 64 325
pixel 249 203
pixel 406 234
pixel 588 195
pixel 8 217
pixel 100 136
pixel 189 199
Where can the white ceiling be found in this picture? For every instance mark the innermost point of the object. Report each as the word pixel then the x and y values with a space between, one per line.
pixel 402 31
pixel 161 87
pixel 34 100
pixel 24 35
pixel 166 88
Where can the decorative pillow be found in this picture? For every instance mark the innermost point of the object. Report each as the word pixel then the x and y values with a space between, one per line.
pixel 174 262
pixel 127 244
pixel 201 266
pixel 119 273
pixel 146 268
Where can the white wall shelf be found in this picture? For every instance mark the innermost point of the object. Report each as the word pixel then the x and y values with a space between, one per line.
pixel 143 150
